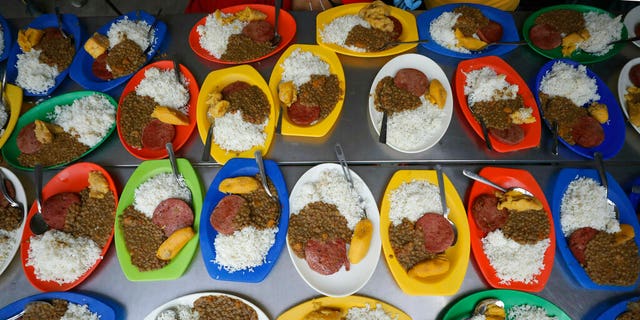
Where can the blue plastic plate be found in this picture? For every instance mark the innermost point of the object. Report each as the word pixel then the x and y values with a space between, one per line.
pixel 70 25
pixel 616 310
pixel 234 168
pixel 80 70
pixel 509 31
pixel 614 129
pixel 6 33
pixel 94 305
pixel 627 216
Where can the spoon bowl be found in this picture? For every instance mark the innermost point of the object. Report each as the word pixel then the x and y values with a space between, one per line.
pixel 484 180
pixel 263 177
pixel 12 202
pixel 603 180
pixel 484 305
pixel 37 224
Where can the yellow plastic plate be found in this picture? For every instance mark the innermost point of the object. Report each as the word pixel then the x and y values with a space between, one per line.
pixel 217 80
pixel 344 303
pixel 406 18
pixel 458 255
pixel 14 99
pixel 321 128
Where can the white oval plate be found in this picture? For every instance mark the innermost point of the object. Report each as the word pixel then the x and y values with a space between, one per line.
pixel 433 71
pixel 624 82
pixel 22 199
pixel 191 298
pixel 341 283
pixel 630 20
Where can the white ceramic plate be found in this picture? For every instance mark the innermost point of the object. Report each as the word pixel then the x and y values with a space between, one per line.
pixel 624 82
pixel 191 298
pixel 341 283
pixel 433 71
pixel 22 199
pixel 630 20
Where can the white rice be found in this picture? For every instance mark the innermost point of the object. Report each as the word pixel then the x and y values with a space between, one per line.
pixel 412 200
pixel 441 31
pixel 512 261
pixel 156 189
pixel 33 75
pixel 478 317
pixel 584 204
pixel 60 257
pixel 602 30
pixel 331 187
pixel 134 30
pixel 528 312
pixel 161 85
pixel 300 65
pixel 338 29
pixel 7 244
pixel 89 118
pixel 179 312
pixel 232 133
pixel 486 85
pixel 368 313
pixel 214 35
pixel 244 249
pixel 79 312
pixel 570 82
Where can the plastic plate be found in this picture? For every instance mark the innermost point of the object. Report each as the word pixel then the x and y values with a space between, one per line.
pixel 94 305
pixel 624 82
pixel 191 298
pixel 343 304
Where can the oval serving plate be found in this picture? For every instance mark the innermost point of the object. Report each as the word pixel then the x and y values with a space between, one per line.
pixel 458 255
pixel 463 308
pixel 433 71
pixel 13 94
pixel 341 283
pixel 70 25
pixel 21 198
pixel 508 178
pixel 42 111
pixel 406 18
pixel 614 129
pixel 191 298
pixel 321 128
pixel 624 82
pixel 235 168
pixel 578 55
pixel 286 29
pixel 217 80
pixel 617 309
pixel 627 215
pixel 182 132
pixel 343 304
pixel 80 70
pixel 72 179
pixel 505 19
pixel 501 67
pixel 178 265
pixel 631 19
pixel 93 304
pixel 6 34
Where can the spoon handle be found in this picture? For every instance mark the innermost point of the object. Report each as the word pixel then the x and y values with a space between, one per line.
pixel 174 165
pixel 263 173
pixel 207 144
pixel 38 181
pixel 554 147
pixel 443 197
pixel 5 193
pixel 176 70
pixel 383 128
pixel 482 179
pixel 601 171
pixel 278 4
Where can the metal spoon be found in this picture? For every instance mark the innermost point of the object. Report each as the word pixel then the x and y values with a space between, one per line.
pixel 37 224
pixel 347 174
pixel 207 142
pixel 12 202
pixel 497 43
pixel 603 180
pixel 174 166
pixel 3 102
pixel 484 180
pixel 443 201
pixel 263 177
pixel 482 306
pixel 176 70
pixel 554 147
pixel 383 128
pixel 483 127
pixel 636 38
pixel 275 41
pixel 59 17
pixel 151 28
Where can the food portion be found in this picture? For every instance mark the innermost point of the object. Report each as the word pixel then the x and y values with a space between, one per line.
pixel 307 88
pixel 371 30
pixel 246 221
pixel 496 311
pixel 589 32
pixel 149 114
pixel 465 29
pixel 211 307
pixel 240 113
pixel 569 97
pixel 159 222
pixel 45 53
pixel 236 37
pixel 603 246
pixel 632 312
pixel 632 97
pixel 81 225
pixel 58 309
pixel 67 133
pixel 10 221
pixel 352 313
pixel 496 102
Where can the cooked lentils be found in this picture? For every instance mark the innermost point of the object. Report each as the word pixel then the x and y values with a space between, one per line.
pixel 632 313
pixel 43 310
pixel 370 39
pixel 470 21
pixel 390 98
pixel 527 227
pixel 125 58
pixel 563 111
pixel 317 220
pixel 495 113
pixel 407 243
pixel 564 20
pixel 322 91
pixel 57 51
pixel 611 264
pixel 135 114
pixel 142 238
pixel 92 219
pixel 253 103
pixel 241 48
pixel 223 308
pixel 63 148
pixel 263 211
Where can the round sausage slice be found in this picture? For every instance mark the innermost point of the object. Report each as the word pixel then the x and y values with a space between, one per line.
pixel 259 31
pixel 26 141
pixel 99 67
pixel 545 36
pixel 233 87
pixel 587 132
pixel 157 134
pixel 578 241
pixel 437 232
pixel 511 135
pixel 492 32
pixel 486 214
pixel 172 214
pixel 634 75
pixel 223 215
pixel 397 27
pixel 56 207
pixel 303 115
pixel 412 80
pixel 326 257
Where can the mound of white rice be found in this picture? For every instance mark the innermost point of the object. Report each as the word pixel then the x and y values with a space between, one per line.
pixel 156 189
pixel 441 31
pixel 244 249
pixel 134 30
pixel 486 85
pixel 33 75
pixel 584 204
pixel 513 261
pixel 60 257
pixel 161 85
pixel 214 35
pixel 412 200
pixel 232 133
pixel 89 118
pixel 79 312
pixel 179 312
pixel 528 312
pixel 300 65
pixel 7 243
pixel 368 313
pixel 338 29
pixel 602 30
pixel 570 82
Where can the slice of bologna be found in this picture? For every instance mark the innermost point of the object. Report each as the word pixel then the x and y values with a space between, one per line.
pixel 587 132
pixel 99 67
pixel 157 134
pixel 634 75
pixel 578 241
pixel 259 31
pixel 225 212
pixel 10 190
pixel 486 214
pixel 326 257
pixel 411 80
pixel 514 134
pixel 545 36
pixel 56 207
pixel 492 32
pixel 397 27
pixel 26 141
pixel 172 214
pixel 233 87
pixel 303 115
pixel 437 232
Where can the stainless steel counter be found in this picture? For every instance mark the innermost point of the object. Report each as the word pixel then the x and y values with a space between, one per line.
pixel 375 163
